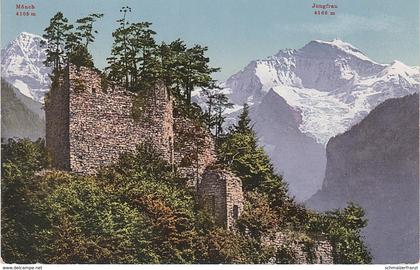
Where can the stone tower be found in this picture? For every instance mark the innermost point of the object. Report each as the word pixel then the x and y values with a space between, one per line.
pixel 220 194
pixel 90 125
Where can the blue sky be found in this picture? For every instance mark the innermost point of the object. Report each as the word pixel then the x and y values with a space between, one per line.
pixel 238 31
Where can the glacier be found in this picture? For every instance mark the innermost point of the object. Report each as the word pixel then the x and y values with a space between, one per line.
pixel 332 84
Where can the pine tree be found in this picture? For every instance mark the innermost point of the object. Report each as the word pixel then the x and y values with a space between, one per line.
pixel 119 66
pixel 220 105
pixel 137 61
pixel 182 69
pixel 78 41
pixel 217 103
pixel 65 46
pixel 73 41
pixel 209 95
pixel 56 35
pixel 172 58
pixel 77 53
pixel 133 56
pixel 240 151
pixel 80 56
pixel 141 45
pixel 343 230
pixel 85 27
pixel 244 122
pixel 197 72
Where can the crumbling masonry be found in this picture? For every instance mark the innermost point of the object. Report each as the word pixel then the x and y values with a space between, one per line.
pixel 90 123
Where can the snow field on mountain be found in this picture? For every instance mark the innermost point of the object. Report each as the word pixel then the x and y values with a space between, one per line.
pixel 332 84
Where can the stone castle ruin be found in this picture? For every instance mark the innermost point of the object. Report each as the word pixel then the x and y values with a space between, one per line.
pixel 90 123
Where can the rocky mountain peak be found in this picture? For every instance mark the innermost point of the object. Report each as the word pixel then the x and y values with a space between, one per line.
pixel 328 81
pixel 22 66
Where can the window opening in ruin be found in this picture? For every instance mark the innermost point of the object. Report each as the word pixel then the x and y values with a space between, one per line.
pixel 235 212
pixel 93 90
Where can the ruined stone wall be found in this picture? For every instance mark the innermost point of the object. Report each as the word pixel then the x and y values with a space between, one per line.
pixel 320 253
pixel 323 253
pixel 234 198
pixel 57 123
pixel 220 192
pixel 156 120
pixel 95 125
pixel 101 124
pixel 194 149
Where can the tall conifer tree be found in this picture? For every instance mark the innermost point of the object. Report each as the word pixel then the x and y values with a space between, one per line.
pixel 56 35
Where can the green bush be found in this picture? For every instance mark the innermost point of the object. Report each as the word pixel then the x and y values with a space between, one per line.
pixel 139 211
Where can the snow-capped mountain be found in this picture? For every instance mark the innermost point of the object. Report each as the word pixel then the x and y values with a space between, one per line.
pixel 22 66
pixel 312 94
pixel 332 84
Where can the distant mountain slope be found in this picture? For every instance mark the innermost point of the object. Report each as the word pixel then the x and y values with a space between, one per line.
pixel 34 106
pixel 275 119
pixel 17 120
pixel 329 85
pixel 376 164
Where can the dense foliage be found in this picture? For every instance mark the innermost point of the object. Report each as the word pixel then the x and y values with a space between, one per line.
pixel 135 211
pixel 131 212
pixel 138 211
pixel 20 161
pixel 343 228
